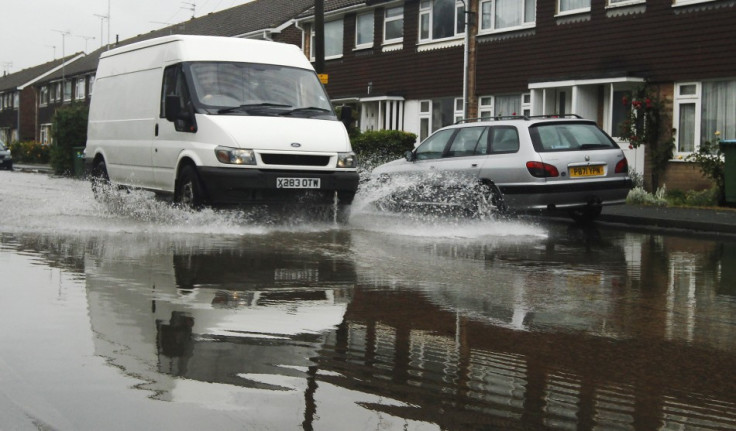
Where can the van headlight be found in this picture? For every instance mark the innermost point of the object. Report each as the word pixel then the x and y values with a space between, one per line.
pixel 346 160
pixel 235 156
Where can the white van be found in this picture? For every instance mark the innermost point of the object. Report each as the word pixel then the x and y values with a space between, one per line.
pixel 218 121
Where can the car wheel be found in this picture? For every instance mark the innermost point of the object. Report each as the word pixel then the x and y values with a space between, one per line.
pixel 586 214
pixel 490 201
pixel 190 192
pixel 100 180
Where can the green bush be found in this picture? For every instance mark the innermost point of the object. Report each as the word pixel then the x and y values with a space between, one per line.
pixel 376 147
pixel 69 129
pixel 30 152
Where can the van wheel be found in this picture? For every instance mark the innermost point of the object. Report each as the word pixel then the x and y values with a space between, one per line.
pixel 190 193
pixel 100 180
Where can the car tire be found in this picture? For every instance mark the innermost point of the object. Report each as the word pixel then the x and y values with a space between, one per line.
pixel 490 201
pixel 190 191
pixel 100 180
pixel 586 214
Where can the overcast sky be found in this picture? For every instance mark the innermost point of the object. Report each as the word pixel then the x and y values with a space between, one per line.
pixel 31 30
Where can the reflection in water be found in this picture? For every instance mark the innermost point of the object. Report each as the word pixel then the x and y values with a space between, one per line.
pixel 578 329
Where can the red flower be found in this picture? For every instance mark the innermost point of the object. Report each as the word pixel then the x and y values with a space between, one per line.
pixel 648 102
pixel 625 100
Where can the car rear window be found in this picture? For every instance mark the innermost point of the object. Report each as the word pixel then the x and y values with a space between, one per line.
pixel 568 136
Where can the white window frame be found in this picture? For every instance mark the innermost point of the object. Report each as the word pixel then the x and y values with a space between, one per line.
pixel 341 26
pixel 676 3
pixel 425 8
pixel 80 89
pixel 67 95
pixel 90 85
pixel 526 22
pixel 425 114
pixel 622 3
pixel 485 107
pixel 366 16
pixel 560 12
pixel 387 19
pixel 43 97
pixel 459 109
pixel 687 99
pixel 45 130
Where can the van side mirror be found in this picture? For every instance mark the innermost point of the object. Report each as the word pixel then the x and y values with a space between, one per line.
pixel 173 108
pixel 410 156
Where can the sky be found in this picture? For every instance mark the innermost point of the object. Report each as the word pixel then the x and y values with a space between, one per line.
pixel 36 31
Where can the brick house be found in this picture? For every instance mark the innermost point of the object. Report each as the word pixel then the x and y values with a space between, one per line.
pixel 401 64
pixel 18 99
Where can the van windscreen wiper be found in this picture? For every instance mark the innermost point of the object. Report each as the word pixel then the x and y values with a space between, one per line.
pixel 308 109
pixel 246 107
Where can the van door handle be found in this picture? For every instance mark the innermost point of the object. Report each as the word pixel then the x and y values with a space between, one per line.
pixel 474 165
pixel 155 131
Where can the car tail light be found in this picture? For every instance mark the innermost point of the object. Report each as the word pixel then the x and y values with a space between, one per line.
pixel 622 166
pixel 542 170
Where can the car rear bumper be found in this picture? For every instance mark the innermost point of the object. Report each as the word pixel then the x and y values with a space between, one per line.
pixel 565 195
pixel 228 186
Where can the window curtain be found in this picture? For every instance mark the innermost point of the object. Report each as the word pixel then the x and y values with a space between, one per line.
pixel 718 110
pixel 686 129
pixel 566 5
pixel 508 105
pixel 509 13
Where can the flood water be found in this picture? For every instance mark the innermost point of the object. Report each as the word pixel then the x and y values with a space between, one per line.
pixel 137 315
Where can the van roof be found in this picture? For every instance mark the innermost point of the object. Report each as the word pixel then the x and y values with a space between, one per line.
pixel 218 48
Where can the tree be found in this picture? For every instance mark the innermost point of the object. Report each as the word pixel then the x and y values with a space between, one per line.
pixel 69 130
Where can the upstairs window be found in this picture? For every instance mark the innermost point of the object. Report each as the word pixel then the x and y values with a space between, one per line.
pixel 67 91
pixel 573 6
pixel 364 30
pixel 441 19
pixel 393 25
pixel 498 15
pixel 80 89
pixel 333 39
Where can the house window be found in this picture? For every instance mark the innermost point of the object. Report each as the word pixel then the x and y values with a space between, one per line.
pixel 506 14
pixel 688 2
pixel 573 6
pixel 441 19
pixel 459 109
pixel 612 3
pixel 46 134
pixel 80 89
pixel 508 105
pixel 364 30
pixel 43 99
pixel 718 109
pixel 67 91
pixel 333 39
pixel 687 116
pixel 485 107
pixel 425 119
pixel 526 104
pixel 91 84
pixel 393 25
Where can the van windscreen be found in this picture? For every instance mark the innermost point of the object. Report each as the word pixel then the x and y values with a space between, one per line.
pixel 229 88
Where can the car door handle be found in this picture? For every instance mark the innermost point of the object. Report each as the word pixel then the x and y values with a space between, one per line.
pixel 474 165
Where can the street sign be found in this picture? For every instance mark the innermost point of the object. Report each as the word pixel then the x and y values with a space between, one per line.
pixel 323 78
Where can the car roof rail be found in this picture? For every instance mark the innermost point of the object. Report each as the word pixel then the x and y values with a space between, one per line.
pixel 518 117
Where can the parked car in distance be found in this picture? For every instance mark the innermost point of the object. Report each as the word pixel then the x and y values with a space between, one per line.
pixel 522 163
pixel 6 159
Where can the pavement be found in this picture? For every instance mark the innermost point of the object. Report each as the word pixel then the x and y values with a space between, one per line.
pixel 712 221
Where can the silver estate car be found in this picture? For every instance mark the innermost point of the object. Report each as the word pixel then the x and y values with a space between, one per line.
pixel 521 164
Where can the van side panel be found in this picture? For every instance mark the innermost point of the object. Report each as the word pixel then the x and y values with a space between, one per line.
pixel 123 113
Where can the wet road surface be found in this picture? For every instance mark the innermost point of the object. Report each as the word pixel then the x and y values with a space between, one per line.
pixel 136 315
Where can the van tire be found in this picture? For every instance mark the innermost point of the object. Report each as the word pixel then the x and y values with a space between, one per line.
pixel 100 180
pixel 190 192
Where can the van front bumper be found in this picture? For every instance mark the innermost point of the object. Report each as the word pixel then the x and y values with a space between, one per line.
pixel 233 186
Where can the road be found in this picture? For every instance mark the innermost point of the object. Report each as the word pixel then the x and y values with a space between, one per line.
pixel 136 315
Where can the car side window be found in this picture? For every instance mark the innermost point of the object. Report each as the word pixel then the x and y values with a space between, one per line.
pixel 504 139
pixel 465 142
pixel 434 146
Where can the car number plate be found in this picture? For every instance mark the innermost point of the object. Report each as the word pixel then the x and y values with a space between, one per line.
pixel 297 183
pixel 586 171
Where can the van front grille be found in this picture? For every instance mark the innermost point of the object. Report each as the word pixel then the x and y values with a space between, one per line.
pixel 295 160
